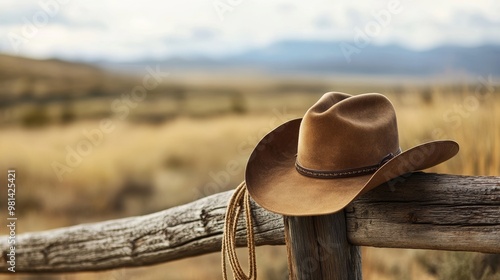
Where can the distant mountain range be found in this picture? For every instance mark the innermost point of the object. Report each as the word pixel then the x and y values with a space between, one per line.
pixel 340 57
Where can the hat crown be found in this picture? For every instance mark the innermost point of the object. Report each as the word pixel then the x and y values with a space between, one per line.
pixel 342 132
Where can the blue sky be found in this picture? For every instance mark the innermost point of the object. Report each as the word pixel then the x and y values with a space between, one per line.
pixel 128 30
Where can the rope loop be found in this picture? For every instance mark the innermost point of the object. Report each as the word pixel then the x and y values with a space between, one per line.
pixel 240 201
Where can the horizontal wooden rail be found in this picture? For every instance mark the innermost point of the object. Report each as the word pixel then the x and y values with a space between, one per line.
pixel 426 211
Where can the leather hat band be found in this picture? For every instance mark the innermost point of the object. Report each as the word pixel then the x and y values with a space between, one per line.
pixel 351 172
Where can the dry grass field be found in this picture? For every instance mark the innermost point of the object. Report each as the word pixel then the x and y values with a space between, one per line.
pixel 170 145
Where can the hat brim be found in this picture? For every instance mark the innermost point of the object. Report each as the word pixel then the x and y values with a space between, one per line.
pixel 273 182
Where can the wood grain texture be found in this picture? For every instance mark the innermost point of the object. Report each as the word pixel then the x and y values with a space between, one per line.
pixel 435 211
pixel 183 231
pixel 319 248
pixel 429 211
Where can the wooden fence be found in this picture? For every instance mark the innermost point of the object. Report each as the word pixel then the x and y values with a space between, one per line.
pixel 424 211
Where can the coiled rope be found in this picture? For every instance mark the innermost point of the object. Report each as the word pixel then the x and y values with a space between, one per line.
pixel 240 200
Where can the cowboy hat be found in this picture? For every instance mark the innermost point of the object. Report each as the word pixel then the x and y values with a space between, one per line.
pixel 343 147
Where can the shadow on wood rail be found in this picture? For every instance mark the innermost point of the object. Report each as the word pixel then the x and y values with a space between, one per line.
pixel 423 211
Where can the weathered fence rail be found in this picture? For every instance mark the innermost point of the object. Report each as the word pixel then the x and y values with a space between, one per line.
pixel 426 211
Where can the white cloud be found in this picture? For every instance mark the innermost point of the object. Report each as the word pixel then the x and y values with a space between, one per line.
pixel 127 30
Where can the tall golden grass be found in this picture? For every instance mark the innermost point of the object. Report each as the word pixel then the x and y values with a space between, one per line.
pixel 141 168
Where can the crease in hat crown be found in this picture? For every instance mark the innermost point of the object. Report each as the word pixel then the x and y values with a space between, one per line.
pixel 343 132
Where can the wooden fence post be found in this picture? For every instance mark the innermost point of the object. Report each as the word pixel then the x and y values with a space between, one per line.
pixel 319 248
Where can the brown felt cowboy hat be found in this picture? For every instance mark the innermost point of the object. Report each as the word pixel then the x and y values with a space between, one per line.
pixel 343 147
